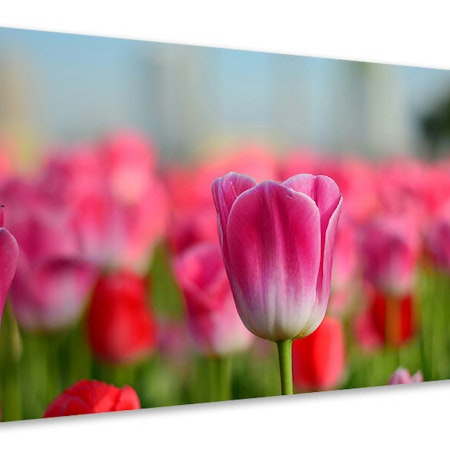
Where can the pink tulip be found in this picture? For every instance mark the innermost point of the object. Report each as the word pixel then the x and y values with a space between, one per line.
pixel 345 279
pixel 277 242
pixel 9 256
pixel 213 319
pixel 118 204
pixel 345 260
pixel 437 241
pixel 52 279
pixel 390 248
pixel 402 376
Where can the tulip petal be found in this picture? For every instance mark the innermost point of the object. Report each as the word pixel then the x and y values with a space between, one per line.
pixel 225 190
pixel 322 189
pixel 325 192
pixel 272 256
pixel 9 256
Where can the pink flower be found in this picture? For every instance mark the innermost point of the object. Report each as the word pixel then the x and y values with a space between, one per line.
pixel 193 216
pixel 390 248
pixel 402 376
pixel 52 279
pixel 277 241
pixel 213 319
pixel 437 241
pixel 9 256
pixel 117 203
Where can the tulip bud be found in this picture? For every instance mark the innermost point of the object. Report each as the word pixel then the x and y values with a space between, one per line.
pixel 277 243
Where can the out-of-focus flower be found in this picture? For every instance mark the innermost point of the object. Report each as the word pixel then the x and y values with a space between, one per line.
pixel 390 248
pixel 175 343
pixel 403 187
pixel 53 279
pixel 318 360
pixel 9 256
pixel 402 376
pixel 372 325
pixel 118 204
pixel 345 278
pixel 92 396
pixel 356 180
pixel 213 319
pixel 277 241
pixel 193 217
pixel 121 328
pixel 437 242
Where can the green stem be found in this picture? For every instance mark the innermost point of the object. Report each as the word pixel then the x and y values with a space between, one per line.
pixel 285 361
pixel 223 377
pixel 10 355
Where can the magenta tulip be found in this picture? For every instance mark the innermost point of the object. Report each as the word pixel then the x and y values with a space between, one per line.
pixel 9 256
pixel 52 281
pixel 437 242
pixel 277 242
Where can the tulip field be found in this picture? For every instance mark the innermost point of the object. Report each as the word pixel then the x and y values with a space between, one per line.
pixel 128 281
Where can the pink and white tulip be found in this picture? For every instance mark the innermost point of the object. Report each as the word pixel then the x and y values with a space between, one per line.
pixel 277 242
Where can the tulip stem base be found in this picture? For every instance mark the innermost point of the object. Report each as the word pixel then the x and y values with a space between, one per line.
pixel 285 362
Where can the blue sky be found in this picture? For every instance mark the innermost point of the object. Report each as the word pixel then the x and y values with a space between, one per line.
pixel 83 85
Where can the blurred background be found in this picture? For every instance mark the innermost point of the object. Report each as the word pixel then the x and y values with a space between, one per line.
pixel 120 277
pixel 58 87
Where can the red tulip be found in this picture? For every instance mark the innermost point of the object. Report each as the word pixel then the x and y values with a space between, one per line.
pixel 318 360
pixel 213 319
pixel 374 328
pixel 120 326
pixel 277 241
pixel 91 396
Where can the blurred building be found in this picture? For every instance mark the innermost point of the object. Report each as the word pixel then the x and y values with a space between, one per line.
pixel 59 88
